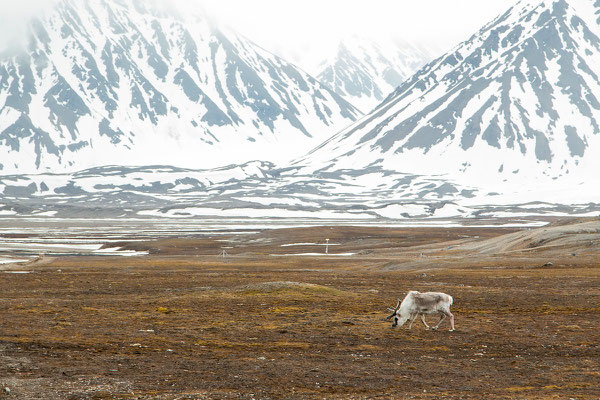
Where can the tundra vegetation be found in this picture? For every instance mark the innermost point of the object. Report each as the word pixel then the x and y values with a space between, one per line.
pixel 185 323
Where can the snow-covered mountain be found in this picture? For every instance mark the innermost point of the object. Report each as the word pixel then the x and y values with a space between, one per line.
pixel 505 125
pixel 254 190
pixel 365 71
pixel 139 83
pixel 260 190
pixel 515 105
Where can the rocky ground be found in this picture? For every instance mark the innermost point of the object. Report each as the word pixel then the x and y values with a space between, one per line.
pixel 265 323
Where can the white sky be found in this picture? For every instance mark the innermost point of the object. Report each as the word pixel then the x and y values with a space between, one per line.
pixel 306 31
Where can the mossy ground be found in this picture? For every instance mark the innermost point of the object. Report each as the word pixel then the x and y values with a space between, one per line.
pixel 185 325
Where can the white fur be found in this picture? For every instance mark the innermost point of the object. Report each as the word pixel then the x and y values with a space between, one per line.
pixel 419 304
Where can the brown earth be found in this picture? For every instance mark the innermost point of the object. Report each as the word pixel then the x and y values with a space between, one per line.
pixel 184 323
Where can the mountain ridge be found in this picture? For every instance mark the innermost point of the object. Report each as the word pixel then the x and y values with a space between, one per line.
pixel 489 95
pixel 131 80
pixel 365 71
pixel 479 133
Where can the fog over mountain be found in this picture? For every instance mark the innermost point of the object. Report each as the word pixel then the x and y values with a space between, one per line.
pixel 365 71
pixel 308 34
pixel 505 123
pixel 126 82
pixel 518 100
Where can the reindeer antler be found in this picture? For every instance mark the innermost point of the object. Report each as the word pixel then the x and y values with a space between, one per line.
pixel 394 310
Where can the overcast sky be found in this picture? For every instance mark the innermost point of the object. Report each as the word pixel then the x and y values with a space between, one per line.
pixel 14 15
pixel 305 31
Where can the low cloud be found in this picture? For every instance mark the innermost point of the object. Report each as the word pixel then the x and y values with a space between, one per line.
pixel 15 16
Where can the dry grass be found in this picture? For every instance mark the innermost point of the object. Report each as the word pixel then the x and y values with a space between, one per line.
pixel 176 325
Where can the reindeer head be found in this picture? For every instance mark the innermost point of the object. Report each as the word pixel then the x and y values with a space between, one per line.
pixel 394 314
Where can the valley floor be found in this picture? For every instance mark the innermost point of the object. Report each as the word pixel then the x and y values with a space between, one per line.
pixel 266 321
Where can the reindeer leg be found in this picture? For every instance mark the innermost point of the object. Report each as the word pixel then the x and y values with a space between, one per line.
pixel 443 317
pixel 451 321
pixel 425 323
pixel 412 320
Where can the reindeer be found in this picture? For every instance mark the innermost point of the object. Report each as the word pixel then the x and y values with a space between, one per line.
pixel 416 303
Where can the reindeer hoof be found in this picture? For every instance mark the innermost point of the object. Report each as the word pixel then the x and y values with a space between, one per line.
pixel 434 328
pixel 450 330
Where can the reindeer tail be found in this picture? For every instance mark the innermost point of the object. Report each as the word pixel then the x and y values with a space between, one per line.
pixel 451 300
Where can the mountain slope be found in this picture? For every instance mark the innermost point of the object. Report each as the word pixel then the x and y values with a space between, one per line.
pixel 516 103
pixel 127 82
pixel 365 71
pixel 258 190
